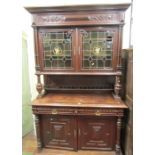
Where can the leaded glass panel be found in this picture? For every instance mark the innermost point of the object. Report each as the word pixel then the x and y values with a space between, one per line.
pixel 97 50
pixel 57 50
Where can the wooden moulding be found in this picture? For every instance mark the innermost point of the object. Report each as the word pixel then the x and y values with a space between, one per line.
pixel 79 73
pixel 78 15
pixel 71 8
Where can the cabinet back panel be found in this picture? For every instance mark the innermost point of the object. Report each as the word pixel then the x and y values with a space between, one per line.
pixel 66 82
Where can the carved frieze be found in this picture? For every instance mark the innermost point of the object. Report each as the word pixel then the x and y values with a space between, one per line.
pixel 48 19
pixel 106 18
pixel 100 17
pixel 82 19
pixel 57 18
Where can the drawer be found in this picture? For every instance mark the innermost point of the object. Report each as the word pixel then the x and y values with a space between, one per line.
pixel 100 112
pixel 78 111
pixel 54 110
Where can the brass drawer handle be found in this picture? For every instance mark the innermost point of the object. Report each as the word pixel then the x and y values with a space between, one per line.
pixel 75 111
pixel 54 111
pixel 98 113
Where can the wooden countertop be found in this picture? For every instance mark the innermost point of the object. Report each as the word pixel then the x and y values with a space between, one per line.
pixel 79 100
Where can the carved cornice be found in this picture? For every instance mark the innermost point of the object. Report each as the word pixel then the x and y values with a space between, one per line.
pixel 50 9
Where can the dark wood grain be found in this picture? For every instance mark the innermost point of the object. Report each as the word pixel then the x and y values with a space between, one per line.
pixel 79 100
pixel 59 132
pixel 97 133
pixel 82 106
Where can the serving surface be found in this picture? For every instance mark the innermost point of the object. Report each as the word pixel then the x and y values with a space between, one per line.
pixel 79 100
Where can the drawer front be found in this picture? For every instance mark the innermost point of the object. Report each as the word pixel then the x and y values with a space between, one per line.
pixel 78 111
pixel 78 19
pixel 53 110
pixel 100 112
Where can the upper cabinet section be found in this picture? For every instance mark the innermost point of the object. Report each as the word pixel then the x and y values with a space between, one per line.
pixel 78 39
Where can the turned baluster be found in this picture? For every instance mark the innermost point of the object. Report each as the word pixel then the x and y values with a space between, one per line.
pixel 118 148
pixel 117 87
pixel 39 86
pixel 38 134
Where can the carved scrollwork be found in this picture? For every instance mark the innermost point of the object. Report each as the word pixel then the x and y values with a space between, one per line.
pixel 84 32
pixel 69 33
pixel 51 19
pixel 100 17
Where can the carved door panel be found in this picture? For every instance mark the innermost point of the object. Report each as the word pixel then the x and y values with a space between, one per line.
pixel 98 49
pixel 96 133
pixel 56 49
pixel 59 132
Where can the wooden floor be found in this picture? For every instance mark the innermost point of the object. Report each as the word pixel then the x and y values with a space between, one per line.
pixel 30 145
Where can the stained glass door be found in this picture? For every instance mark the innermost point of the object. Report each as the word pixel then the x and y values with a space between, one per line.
pixel 97 49
pixel 57 49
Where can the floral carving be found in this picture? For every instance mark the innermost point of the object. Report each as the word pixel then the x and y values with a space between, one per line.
pixel 53 18
pixel 100 17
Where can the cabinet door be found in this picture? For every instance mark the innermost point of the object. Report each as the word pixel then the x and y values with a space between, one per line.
pixel 98 49
pixel 96 133
pixel 56 49
pixel 59 132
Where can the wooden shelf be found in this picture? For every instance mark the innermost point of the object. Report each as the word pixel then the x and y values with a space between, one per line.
pixel 79 73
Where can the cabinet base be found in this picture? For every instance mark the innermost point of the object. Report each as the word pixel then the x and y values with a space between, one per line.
pixel 45 151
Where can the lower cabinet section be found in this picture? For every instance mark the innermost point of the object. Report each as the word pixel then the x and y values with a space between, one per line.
pixel 75 133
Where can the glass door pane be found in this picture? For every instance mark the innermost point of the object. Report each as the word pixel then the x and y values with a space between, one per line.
pixel 57 50
pixel 96 49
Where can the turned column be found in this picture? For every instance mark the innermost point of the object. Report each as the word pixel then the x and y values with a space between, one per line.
pixel 38 134
pixel 117 87
pixel 39 86
pixel 118 148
